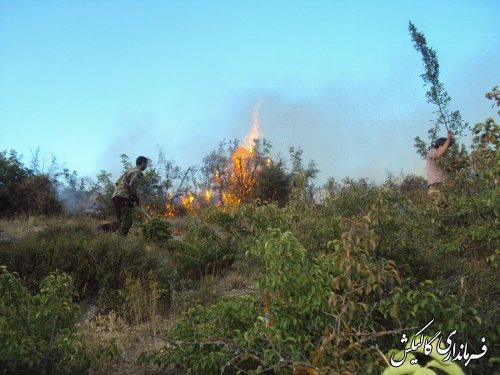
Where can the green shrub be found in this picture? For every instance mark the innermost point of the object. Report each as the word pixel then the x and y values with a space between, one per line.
pixel 196 340
pixel 415 307
pixel 37 332
pixel 201 252
pixel 309 307
pixel 24 192
pixel 272 183
pixel 217 215
pixel 99 263
pixel 323 308
pixel 38 196
pixel 156 229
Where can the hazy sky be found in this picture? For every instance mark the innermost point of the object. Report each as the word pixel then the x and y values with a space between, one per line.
pixel 89 80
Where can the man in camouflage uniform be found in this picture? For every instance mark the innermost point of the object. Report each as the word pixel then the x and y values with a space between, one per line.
pixel 125 195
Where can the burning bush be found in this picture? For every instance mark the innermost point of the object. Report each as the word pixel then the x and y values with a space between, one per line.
pixel 240 172
pixel 232 172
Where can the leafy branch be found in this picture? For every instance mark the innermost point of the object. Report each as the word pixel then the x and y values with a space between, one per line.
pixel 436 94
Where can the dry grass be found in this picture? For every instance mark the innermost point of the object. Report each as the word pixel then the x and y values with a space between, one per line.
pixel 135 328
pixel 179 225
pixel 140 322
pixel 17 228
pixel 130 340
pixel 142 302
pixel 144 323
pixel 133 331
pixel 211 288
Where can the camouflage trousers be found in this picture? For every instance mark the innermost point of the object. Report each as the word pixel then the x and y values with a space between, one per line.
pixel 124 209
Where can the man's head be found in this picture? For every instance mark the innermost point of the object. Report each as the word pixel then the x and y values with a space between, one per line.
pixel 441 142
pixel 142 162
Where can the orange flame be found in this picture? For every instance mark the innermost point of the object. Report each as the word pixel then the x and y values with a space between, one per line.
pixel 170 209
pixel 242 169
pixel 235 181
pixel 207 194
pixel 187 202
pixel 255 132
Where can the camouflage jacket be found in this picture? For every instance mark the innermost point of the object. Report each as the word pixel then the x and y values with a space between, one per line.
pixel 126 186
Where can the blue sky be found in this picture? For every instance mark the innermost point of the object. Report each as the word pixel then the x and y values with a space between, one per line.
pixel 89 80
